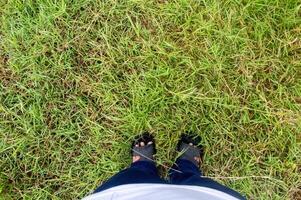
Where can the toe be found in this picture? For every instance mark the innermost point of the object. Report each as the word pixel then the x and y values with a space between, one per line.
pixel 149 143
pixel 198 159
pixel 142 144
pixel 190 144
pixel 136 158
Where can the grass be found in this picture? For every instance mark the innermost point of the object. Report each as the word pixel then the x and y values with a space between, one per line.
pixel 79 79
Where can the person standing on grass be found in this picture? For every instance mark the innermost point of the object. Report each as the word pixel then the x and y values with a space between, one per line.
pixel 141 179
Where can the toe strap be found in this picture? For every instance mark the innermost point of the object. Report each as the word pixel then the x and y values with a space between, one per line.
pixel 146 152
pixel 190 152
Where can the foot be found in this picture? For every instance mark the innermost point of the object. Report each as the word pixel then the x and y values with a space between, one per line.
pixel 143 148
pixel 190 148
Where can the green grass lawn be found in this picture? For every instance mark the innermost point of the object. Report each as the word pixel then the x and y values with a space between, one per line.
pixel 80 79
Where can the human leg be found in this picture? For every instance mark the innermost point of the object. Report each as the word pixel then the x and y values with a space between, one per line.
pixel 138 172
pixel 143 168
pixel 186 169
pixel 185 172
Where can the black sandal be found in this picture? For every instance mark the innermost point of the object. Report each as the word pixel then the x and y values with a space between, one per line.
pixel 189 152
pixel 147 151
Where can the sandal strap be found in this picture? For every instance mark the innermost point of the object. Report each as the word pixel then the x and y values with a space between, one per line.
pixel 146 152
pixel 189 152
